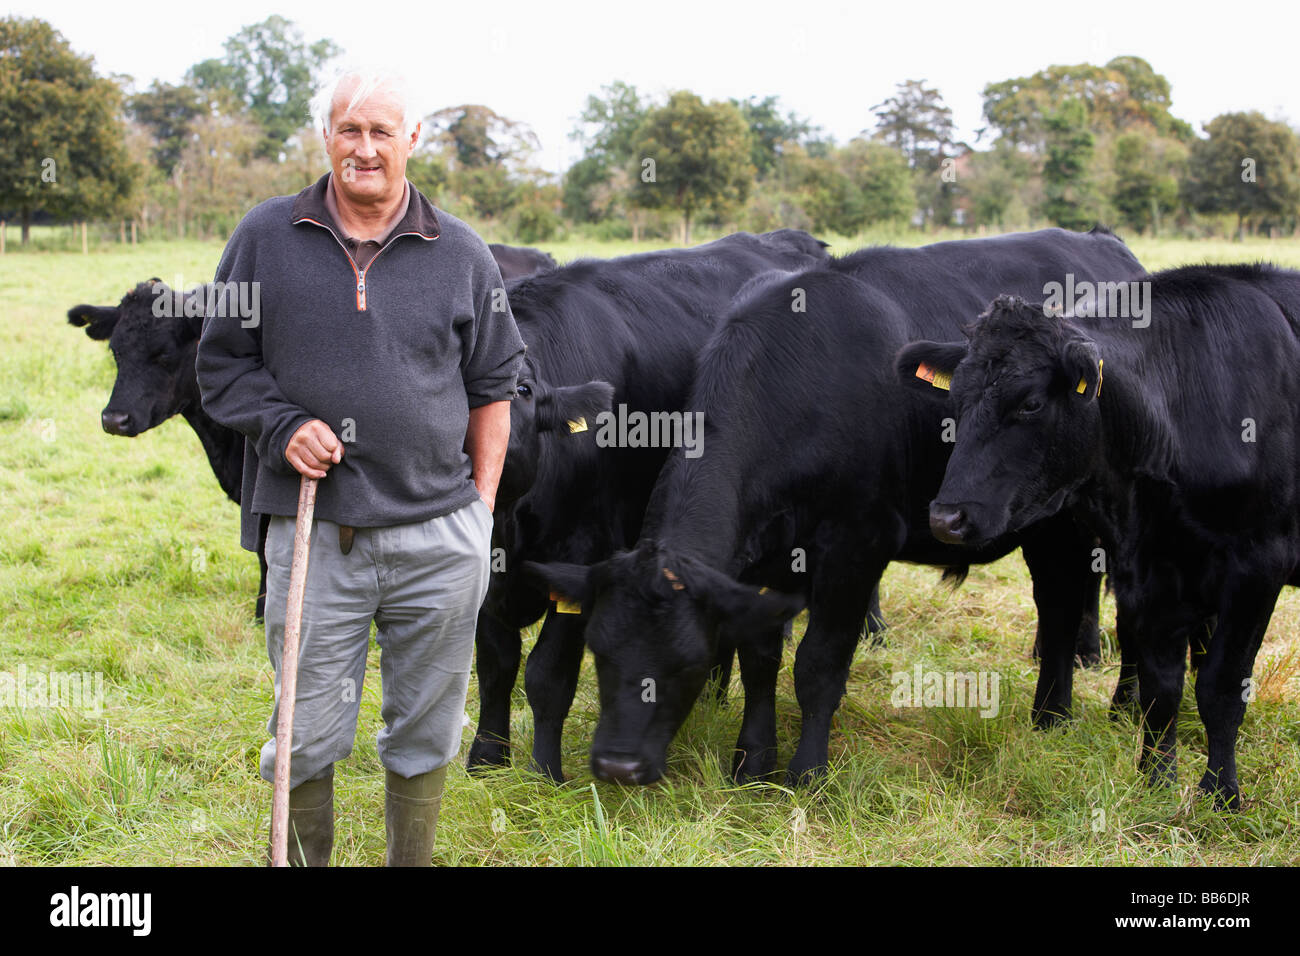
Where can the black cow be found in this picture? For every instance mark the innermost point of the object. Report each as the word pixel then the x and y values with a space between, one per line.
pixel 811 444
pixel 515 262
pixel 636 323
pixel 1176 436
pixel 156 380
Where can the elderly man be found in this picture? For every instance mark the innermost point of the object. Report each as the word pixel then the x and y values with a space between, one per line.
pixel 382 359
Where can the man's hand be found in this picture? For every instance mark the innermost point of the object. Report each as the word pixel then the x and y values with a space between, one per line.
pixel 313 449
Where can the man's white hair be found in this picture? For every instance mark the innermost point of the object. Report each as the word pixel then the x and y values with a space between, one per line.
pixel 369 79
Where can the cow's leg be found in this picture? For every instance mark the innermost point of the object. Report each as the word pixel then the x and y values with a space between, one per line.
pixel 496 660
pixel 1087 647
pixel 875 620
pixel 760 659
pixel 720 673
pixel 821 667
pixel 1223 680
pixel 1059 561
pixel 1161 664
pixel 1124 703
pixel 551 680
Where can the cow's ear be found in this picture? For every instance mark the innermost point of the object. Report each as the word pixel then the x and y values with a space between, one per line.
pixel 745 607
pixel 98 320
pixel 571 409
pixel 1082 366
pixel 929 365
pixel 571 582
pixel 191 327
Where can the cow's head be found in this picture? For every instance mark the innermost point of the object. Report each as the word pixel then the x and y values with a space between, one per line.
pixel 652 628
pixel 563 411
pixel 153 343
pixel 1024 391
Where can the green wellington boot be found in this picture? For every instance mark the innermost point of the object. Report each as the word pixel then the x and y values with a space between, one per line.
pixel 411 816
pixel 311 822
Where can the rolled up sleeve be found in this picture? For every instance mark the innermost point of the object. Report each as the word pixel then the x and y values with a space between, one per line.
pixel 496 353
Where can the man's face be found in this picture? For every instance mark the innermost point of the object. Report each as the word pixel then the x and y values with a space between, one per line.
pixel 367 150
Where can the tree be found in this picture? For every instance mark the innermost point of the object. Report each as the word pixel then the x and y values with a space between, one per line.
pixel 166 111
pixel 608 124
pixel 61 136
pixel 475 137
pixel 880 175
pixel 915 122
pixel 1147 99
pixel 696 158
pixel 1069 195
pixel 269 70
pixel 593 186
pixel 1003 186
pixel 770 131
pixel 1246 166
pixel 220 176
pixel 1125 93
pixel 1146 188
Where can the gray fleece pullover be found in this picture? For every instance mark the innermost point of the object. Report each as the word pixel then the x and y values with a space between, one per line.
pixel 391 357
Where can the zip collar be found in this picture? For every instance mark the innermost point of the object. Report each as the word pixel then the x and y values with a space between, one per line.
pixel 420 220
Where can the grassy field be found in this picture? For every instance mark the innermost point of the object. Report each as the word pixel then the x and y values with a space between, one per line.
pixel 120 557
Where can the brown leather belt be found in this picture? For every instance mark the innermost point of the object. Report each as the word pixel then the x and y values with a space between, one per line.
pixel 346 535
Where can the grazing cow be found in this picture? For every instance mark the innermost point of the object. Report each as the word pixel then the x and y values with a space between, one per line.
pixel 515 262
pixel 1176 437
pixel 635 323
pixel 810 444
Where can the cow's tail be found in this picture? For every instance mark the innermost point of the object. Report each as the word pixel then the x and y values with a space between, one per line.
pixel 955 576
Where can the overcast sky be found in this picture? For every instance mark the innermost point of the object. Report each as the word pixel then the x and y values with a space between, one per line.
pixel 829 61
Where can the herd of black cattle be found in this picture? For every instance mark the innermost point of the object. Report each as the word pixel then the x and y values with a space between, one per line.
pixel 856 411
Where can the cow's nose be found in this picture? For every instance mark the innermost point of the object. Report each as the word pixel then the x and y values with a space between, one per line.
pixel 116 423
pixel 949 525
pixel 626 770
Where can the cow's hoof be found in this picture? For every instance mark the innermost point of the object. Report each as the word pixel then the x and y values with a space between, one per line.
pixel 804 776
pixel 1161 770
pixel 1125 709
pixel 876 627
pixel 259 609
pixel 1227 795
pixel 550 770
pixel 751 766
pixel 486 753
pixel 1046 719
pixel 1087 661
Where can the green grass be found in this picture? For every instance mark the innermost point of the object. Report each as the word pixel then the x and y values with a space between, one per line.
pixel 121 557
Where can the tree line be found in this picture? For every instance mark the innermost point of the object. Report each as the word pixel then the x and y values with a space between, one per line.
pixel 1069 145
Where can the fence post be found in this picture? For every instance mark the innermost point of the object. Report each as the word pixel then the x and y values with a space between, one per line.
pixel 85 249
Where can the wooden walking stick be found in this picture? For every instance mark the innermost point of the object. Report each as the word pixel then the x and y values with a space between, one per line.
pixel 289 672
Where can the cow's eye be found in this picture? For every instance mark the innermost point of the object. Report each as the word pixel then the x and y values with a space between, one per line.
pixel 524 390
pixel 1030 407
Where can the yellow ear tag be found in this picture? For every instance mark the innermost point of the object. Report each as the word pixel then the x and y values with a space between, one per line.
pixel 936 378
pixel 577 425
pixel 763 590
pixel 1083 382
pixel 564 606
